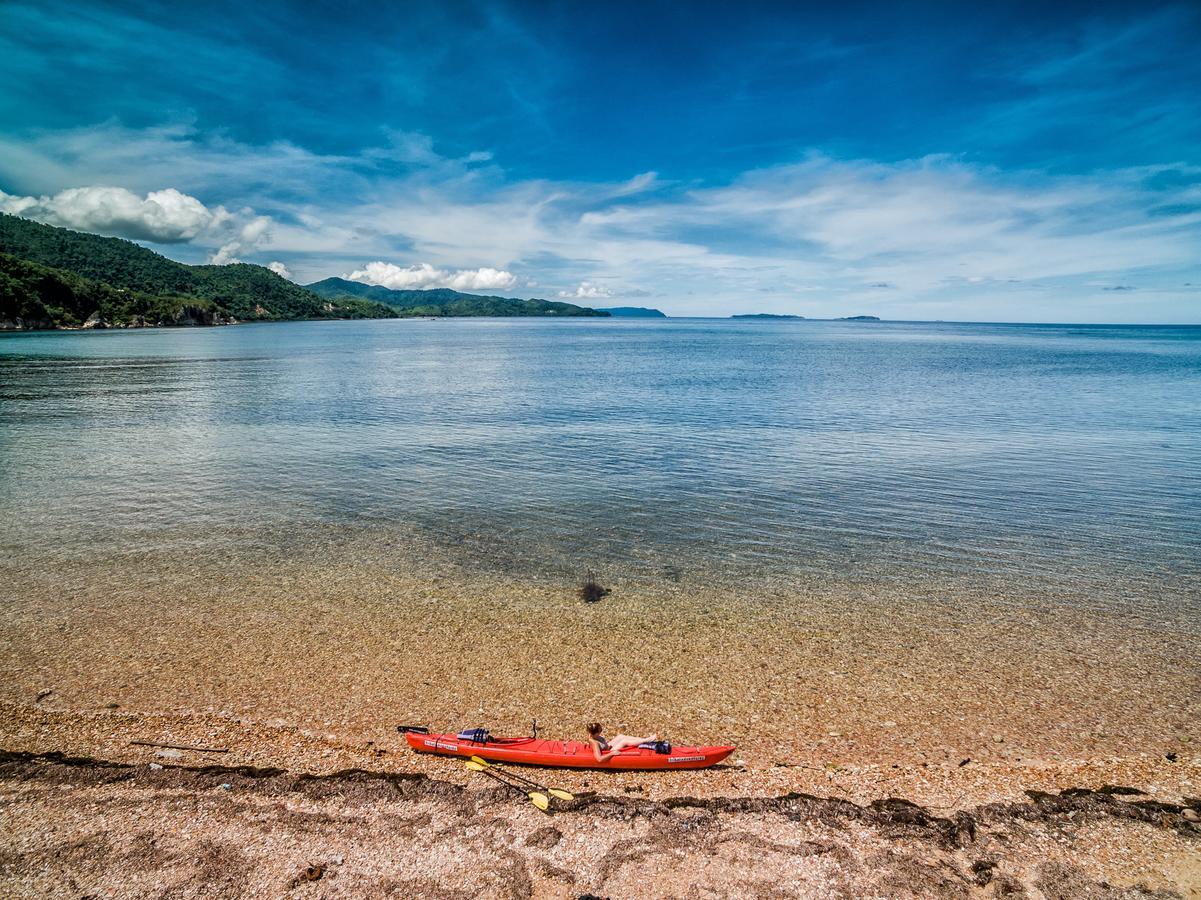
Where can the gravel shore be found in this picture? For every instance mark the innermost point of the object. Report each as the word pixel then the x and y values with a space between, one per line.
pixel 78 827
pixel 892 710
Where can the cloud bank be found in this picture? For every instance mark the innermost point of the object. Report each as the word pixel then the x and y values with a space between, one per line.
pixel 165 216
pixel 821 236
pixel 425 276
pixel 586 291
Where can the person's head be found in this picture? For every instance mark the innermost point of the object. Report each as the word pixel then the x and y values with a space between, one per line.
pixel 594 730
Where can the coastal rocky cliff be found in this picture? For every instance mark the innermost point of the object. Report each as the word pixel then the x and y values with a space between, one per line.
pixel 184 316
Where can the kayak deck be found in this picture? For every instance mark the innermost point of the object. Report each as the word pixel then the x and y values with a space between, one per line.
pixel 566 754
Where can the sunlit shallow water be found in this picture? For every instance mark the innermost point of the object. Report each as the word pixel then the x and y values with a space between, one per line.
pixel 1060 460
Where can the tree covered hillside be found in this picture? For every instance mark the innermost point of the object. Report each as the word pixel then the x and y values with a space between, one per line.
pixel 35 296
pixel 445 302
pixel 61 277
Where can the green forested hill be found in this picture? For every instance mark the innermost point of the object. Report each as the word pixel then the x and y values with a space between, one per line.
pixel 35 296
pixel 445 302
pixel 61 277
pixel 55 278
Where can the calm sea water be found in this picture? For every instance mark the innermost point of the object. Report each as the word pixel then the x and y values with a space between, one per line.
pixel 1064 457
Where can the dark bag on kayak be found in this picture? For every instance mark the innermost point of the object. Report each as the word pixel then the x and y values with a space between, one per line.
pixel 657 746
pixel 475 735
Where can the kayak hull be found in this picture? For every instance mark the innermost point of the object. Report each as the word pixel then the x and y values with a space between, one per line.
pixel 565 754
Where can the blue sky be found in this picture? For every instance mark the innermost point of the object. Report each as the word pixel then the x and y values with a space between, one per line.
pixel 927 161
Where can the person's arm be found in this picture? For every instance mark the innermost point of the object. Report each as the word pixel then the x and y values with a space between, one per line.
pixel 596 751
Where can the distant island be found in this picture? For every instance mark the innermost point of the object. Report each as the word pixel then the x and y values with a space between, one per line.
pixel 58 278
pixel 633 312
pixel 860 319
pixel 765 316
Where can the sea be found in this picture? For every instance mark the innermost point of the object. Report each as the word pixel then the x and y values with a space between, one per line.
pixel 1062 461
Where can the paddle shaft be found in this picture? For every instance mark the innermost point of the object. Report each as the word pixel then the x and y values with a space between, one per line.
pixel 509 773
pixel 507 784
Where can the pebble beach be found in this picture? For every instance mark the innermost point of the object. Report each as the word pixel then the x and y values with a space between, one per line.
pixel 954 702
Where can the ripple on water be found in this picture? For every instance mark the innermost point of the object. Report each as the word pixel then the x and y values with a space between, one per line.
pixel 1051 459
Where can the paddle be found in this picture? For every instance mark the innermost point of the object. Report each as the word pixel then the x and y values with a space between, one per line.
pixel 539 800
pixel 554 792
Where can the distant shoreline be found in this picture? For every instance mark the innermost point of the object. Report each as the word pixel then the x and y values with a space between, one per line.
pixel 7 328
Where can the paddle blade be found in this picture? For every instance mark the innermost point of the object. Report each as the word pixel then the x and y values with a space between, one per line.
pixel 480 760
pixel 474 766
pixel 561 795
pixel 540 800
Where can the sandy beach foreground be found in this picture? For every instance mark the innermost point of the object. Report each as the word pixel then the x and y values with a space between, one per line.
pixel 184 827
pixel 931 732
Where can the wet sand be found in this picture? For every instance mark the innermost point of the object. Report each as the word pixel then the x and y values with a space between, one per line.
pixel 951 696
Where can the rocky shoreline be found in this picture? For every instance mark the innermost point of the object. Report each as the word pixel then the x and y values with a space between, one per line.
pixel 97 827
pixel 94 803
pixel 184 317
pixel 923 704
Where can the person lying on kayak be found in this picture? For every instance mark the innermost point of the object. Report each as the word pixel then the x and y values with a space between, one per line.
pixel 605 750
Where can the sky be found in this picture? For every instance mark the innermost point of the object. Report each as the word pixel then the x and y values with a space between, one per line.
pixel 974 162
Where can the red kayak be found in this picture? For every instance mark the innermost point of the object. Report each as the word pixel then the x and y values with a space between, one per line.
pixel 569 754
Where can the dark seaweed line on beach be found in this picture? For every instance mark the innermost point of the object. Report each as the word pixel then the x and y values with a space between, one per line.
pixel 932 856
pixel 957 830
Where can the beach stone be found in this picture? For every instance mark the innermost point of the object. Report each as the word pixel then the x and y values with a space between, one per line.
pixel 998 739
pixel 544 838
pixel 1192 815
pixel 168 754
pixel 982 871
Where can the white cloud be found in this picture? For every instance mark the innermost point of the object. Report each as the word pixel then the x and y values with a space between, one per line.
pixel 951 239
pixel 482 279
pixel 587 291
pixel 248 236
pixel 225 255
pixel 425 276
pixel 638 184
pixel 279 269
pixel 165 216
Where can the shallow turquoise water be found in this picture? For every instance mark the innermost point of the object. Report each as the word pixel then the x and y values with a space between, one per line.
pixel 1063 457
